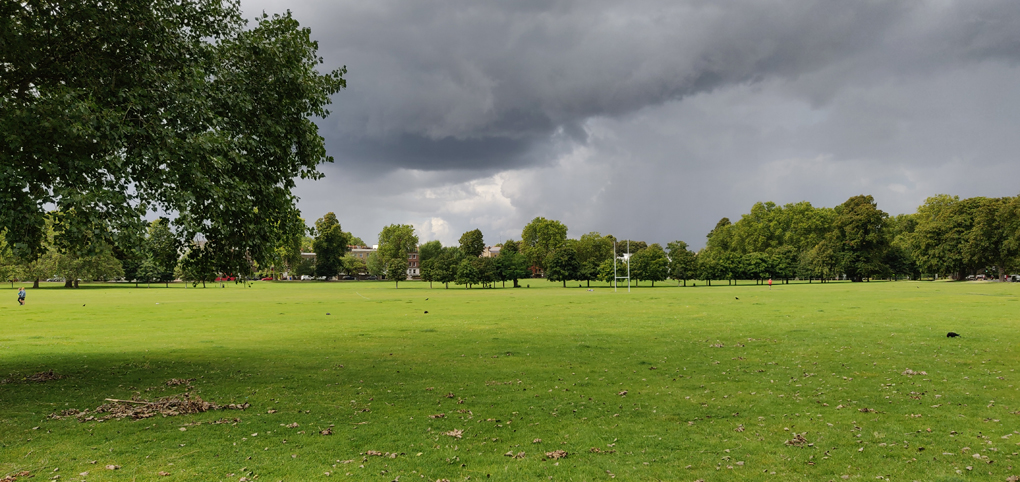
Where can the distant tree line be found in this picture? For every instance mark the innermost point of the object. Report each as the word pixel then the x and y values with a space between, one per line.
pixel 946 237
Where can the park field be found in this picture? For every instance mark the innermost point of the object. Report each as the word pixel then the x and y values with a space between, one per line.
pixel 813 382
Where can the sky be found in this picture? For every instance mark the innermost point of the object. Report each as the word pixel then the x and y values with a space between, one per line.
pixel 653 119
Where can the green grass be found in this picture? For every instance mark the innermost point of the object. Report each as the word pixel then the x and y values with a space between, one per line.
pixel 715 386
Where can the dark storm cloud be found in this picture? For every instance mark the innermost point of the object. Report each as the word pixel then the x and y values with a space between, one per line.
pixel 486 114
pixel 467 84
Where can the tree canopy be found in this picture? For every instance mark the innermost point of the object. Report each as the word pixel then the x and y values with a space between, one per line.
pixel 472 243
pixel 540 238
pixel 114 109
pixel 330 246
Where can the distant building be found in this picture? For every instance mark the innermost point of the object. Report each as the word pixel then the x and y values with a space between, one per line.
pixel 413 266
pixel 490 252
pixel 362 252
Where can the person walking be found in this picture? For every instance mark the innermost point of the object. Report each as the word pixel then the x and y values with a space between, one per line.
pixel 770 283
pixel 21 296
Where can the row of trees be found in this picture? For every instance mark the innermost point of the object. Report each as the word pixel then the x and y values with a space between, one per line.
pixel 856 240
pixel 152 256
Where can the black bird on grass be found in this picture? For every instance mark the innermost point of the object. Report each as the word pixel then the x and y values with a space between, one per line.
pixel 736 298
pixel 952 334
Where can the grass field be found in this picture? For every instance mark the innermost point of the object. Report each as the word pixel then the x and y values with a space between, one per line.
pixel 661 383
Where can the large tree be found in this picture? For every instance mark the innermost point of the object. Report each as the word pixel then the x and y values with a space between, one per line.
pixel 163 250
pixel 562 265
pixel 592 250
pixel 472 243
pixel 540 238
pixel 511 264
pixel 989 242
pixel 396 241
pixel 650 264
pixel 860 238
pixel 683 263
pixel 939 242
pixel 330 246
pixel 113 109
pixel 429 250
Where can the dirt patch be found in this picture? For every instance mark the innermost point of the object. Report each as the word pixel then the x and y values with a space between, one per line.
pixel 11 478
pixel 138 409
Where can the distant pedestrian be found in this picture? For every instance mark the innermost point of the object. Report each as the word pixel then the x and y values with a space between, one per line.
pixel 770 283
pixel 21 296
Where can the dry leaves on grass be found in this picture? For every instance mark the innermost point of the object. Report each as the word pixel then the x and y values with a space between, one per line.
pixel 173 382
pixel 438 415
pixel 537 441
pixel 596 450
pixel 40 377
pixel 328 431
pixel 139 409
pixel 867 410
pixel 454 433
pixel 376 453
pixel 292 425
pixel 740 428
pixel 798 440
pixel 518 455
pixel 112 467
pixel 908 372
pixel 11 478
pixel 556 454
pixel 623 393
pixel 232 421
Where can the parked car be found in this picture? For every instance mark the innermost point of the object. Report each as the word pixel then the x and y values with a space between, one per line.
pixel 373 278
pixel 347 278
pixel 305 277
pixel 267 278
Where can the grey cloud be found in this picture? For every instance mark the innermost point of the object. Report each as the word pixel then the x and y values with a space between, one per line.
pixel 653 119
pixel 502 76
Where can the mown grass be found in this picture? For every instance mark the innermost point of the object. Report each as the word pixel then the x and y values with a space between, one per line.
pixel 714 385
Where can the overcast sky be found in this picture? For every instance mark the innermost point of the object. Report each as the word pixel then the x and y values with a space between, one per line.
pixel 653 119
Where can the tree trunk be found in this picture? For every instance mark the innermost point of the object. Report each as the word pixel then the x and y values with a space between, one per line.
pixel 76 283
pixel 515 283
pixel 68 283
pixel 685 283
pixel 564 283
pixel 35 284
pixel 1002 274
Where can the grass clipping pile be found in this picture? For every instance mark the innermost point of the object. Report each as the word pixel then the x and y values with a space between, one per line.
pixel 138 409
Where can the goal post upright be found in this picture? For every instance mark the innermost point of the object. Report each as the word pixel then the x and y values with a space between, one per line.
pixel 616 278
